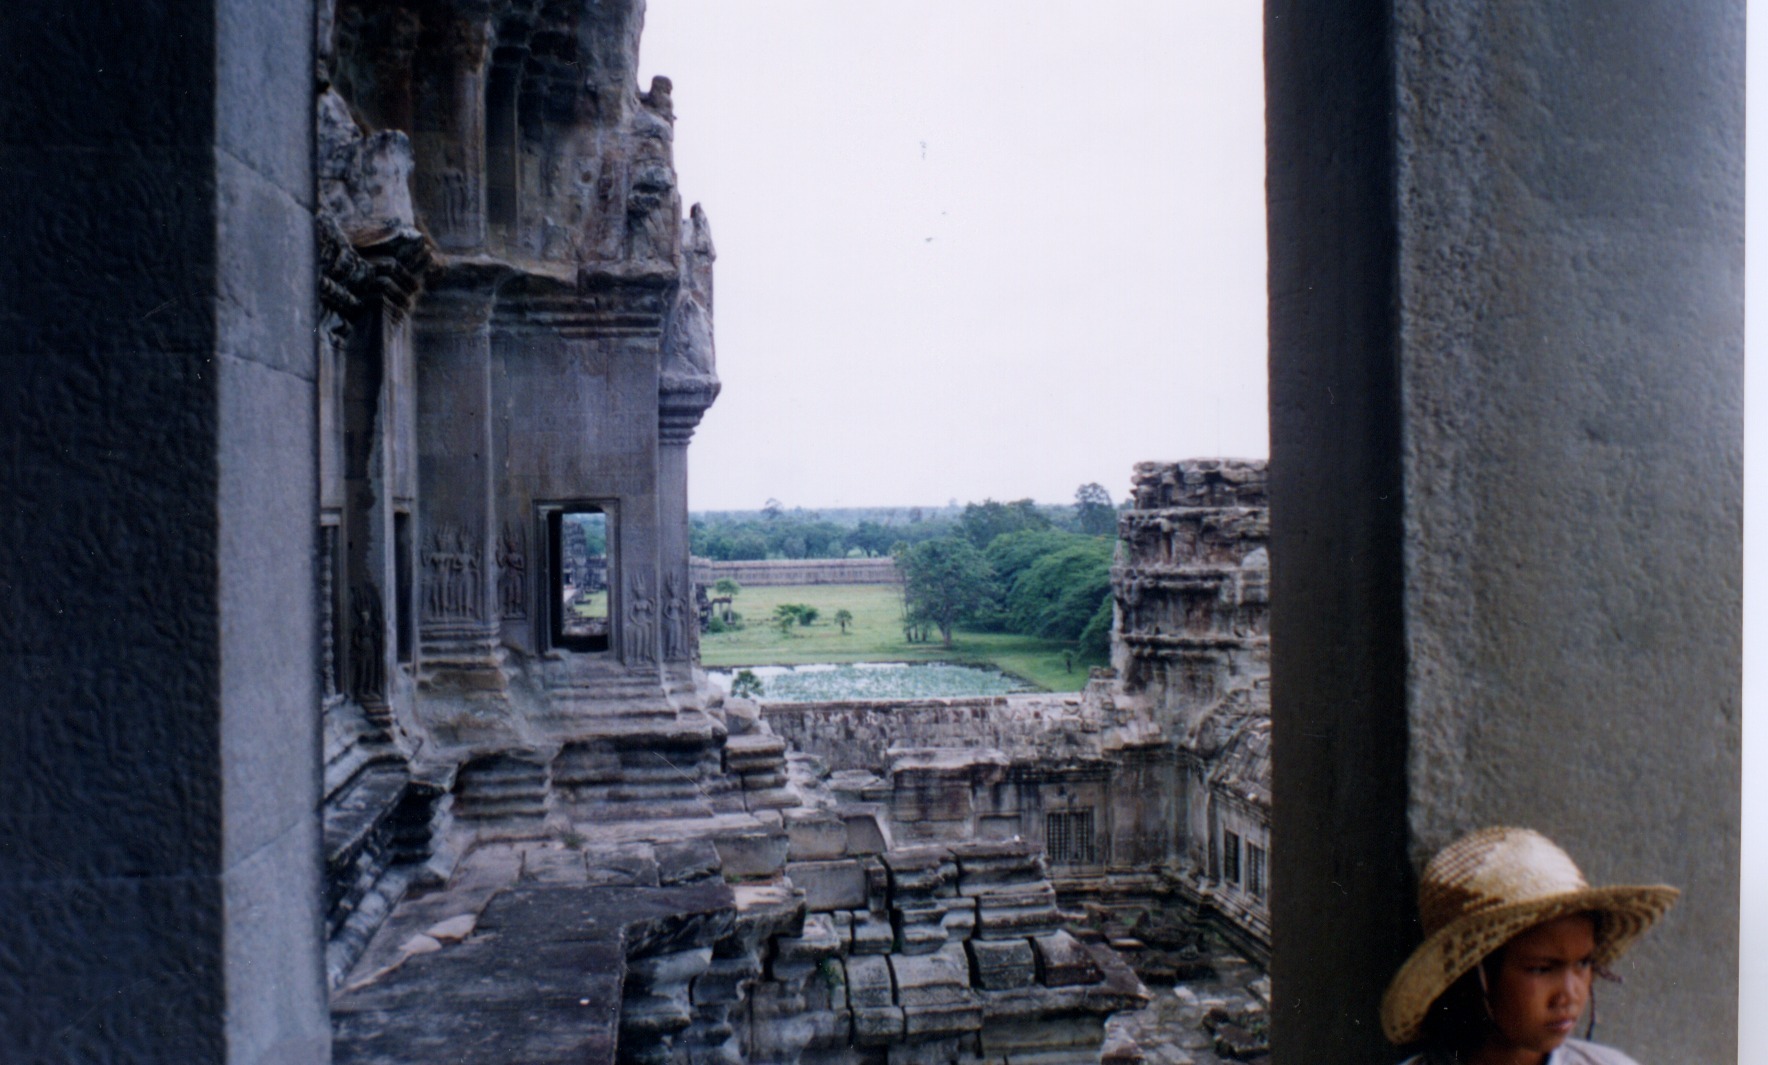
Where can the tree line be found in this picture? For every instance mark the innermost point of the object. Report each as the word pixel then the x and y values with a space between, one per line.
pixel 1011 567
pixel 873 532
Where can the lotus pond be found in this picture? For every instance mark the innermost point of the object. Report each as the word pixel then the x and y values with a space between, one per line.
pixel 874 680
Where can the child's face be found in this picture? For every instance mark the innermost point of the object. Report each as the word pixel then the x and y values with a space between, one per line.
pixel 1540 983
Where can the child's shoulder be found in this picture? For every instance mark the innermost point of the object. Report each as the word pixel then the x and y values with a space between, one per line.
pixel 1578 1052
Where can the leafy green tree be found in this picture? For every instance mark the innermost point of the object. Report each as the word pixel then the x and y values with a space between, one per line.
pixel 1093 513
pixel 982 522
pixel 727 586
pixel 943 581
pixel 872 538
pixel 843 618
pixel 1095 639
pixel 1059 594
pixel 746 685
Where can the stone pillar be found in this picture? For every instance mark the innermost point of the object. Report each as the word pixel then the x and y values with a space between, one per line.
pixel 159 846
pixel 1506 367
pixel 459 656
pixel 679 411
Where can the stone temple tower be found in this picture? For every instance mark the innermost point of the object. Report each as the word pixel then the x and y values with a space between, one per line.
pixel 517 348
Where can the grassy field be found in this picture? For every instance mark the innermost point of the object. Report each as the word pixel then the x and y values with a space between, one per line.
pixel 875 636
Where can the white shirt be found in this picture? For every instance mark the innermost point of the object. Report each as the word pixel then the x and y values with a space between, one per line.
pixel 1574 1052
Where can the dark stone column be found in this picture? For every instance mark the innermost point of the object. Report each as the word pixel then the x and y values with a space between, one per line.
pixel 1338 846
pixel 159 855
pixel 1506 368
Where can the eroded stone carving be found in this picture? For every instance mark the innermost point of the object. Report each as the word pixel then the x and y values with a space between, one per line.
pixel 677 619
pixel 452 588
pixel 638 636
pixel 368 645
pixel 512 579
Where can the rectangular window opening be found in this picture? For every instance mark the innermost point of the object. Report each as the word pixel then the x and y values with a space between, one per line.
pixel 1255 870
pixel 1068 837
pixel 579 573
pixel 1230 857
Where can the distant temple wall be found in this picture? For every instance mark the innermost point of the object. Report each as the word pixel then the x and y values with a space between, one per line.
pixel 780 572
pixel 858 733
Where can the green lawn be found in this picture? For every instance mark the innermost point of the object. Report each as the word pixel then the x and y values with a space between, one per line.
pixel 875 636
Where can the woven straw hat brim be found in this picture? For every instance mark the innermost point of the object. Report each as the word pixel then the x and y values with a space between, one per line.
pixel 1628 911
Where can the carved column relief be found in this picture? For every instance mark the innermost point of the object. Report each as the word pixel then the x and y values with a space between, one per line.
pixel 677 619
pixel 453 590
pixel 512 578
pixel 639 634
pixel 368 646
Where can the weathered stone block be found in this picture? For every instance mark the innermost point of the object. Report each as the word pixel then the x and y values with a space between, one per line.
pixel 868 982
pixel 1046 1038
pixel 815 835
pixel 921 871
pixel 622 865
pixel 946 1019
pixel 1064 961
pixel 685 861
pixel 1003 965
pixel 771 799
pixel 554 865
pixel 838 885
pixel 942 976
pixel 864 835
pixel 1008 915
pixel 959 921
pixel 877 1026
pixel 872 934
pixel 754 752
pixel 751 853
pixel 796 957
pixel 726 980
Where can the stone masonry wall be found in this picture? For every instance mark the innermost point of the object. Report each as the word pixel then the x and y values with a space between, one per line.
pixel 784 571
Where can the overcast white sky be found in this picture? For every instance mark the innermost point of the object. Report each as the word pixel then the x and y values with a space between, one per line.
pixel 967 250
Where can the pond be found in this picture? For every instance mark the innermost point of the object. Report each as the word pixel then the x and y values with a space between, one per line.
pixel 874 680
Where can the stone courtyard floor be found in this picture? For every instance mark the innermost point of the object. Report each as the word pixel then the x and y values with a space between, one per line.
pixel 1186 1022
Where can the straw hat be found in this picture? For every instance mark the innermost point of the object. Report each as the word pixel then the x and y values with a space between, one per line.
pixel 1487 887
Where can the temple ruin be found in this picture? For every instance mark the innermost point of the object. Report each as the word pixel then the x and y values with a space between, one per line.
pixel 546 837
pixel 1505 349
pixel 1149 790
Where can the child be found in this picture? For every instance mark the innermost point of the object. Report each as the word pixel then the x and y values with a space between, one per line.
pixel 1513 938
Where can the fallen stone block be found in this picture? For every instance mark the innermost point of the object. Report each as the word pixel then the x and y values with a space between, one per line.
pixel 1064 961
